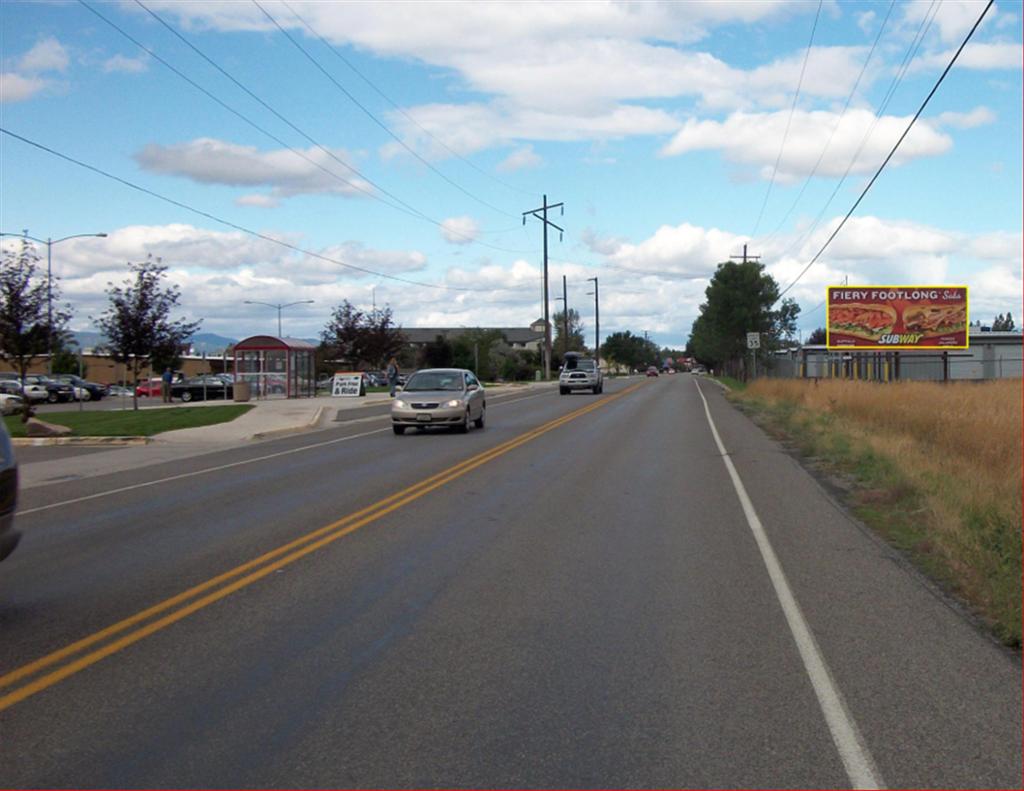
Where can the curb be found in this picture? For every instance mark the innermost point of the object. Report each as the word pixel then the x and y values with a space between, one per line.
pixel 281 432
pixel 112 441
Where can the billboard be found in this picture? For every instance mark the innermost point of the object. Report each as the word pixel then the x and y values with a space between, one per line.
pixel 897 317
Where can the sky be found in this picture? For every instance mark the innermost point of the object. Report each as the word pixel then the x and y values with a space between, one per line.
pixel 384 153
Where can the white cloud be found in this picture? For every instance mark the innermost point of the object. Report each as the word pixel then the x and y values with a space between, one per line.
pixel 16 87
pixel 866 21
pixel 210 161
pixel 754 139
pixel 979 116
pixel 258 200
pixel 47 55
pixel 681 251
pixel 125 65
pixel 976 55
pixel 521 159
pixel 460 230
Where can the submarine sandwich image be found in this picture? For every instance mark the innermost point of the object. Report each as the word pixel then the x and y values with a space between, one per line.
pixel 935 319
pixel 870 322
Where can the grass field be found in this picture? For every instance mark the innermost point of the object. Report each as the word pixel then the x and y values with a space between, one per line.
pixel 936 468
pixel 131 423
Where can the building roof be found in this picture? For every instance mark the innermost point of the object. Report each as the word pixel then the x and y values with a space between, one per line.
pixel 271 342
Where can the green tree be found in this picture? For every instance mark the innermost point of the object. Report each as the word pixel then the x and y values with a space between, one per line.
pixel 66 358
pixel 818 337
pixel 437 354
pixel 138 324
pixel 740 299
pixel 474 349
pixel 1003 323
pixel 363 339
pixel 29 320
pixel 627 349
pixel 576 342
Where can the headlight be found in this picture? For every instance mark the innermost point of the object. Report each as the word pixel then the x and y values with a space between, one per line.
pixel 455 402
pixel 400 403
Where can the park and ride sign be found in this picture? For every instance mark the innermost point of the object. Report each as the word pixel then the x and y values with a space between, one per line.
pixel 882 318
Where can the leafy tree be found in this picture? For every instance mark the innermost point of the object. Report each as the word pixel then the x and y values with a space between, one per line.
pixel 1003 323
pixel 475 349
pixel 29 319
pixel 367 339
pixel 138 327
pixel 66 359
pixel 576 327
pixel 740 298
pixel 818 337
pixel 632 351
pixel 437 354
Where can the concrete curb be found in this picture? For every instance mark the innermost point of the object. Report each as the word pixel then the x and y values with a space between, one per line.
pixel 281 432
pixel 111 441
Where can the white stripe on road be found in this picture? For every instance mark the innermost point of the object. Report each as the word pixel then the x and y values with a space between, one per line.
pixel 220 467
pixel 860 768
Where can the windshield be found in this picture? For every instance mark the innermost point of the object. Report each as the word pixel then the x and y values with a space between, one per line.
pixel 578 363
pixel 434 380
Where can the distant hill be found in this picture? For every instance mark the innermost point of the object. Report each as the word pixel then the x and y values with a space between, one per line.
pixel 202 342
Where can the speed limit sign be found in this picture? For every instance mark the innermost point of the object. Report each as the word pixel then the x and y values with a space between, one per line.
pixel 753 340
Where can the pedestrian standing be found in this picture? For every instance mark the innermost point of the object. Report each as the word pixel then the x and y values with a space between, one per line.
pixel 165 385
pixel 392 375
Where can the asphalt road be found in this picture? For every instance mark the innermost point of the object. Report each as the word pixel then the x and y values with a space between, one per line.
pixel 575 596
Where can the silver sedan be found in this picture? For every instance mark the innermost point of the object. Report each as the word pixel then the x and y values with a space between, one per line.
pixel 450 397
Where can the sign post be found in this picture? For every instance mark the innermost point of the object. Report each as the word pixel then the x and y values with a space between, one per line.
pixel 753 343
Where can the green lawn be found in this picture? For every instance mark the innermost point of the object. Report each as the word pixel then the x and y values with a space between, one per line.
pixel 129 423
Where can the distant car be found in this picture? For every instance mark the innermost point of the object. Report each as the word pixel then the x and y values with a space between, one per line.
pixel 55 391
pixel 87 391
pixel 9 537
pixel 580 373
pixel 652 371
pixel 11 387
pixel 451 397
pixel 208 386
pixel 149 388
pixel 118 391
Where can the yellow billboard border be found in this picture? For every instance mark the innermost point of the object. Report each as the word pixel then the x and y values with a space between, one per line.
pixel 879 348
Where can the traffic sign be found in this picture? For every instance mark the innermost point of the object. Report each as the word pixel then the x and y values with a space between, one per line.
pixel 753 340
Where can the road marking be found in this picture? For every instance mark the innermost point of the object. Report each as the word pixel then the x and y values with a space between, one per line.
pixel 180 476
pixel 860 767
pixel 258 568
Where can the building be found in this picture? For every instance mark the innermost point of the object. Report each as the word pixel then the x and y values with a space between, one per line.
pixel 531 338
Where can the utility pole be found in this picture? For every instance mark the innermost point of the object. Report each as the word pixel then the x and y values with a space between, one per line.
pixel 597 323
pixel 565 319
pixel 543 217
pixel 746 257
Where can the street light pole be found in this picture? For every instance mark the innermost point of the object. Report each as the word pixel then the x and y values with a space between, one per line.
pixel 50 242
pixel 278 307
pixel 597 323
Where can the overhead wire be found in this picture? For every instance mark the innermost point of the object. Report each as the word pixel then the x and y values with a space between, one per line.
pixel 242 228
pixel 789 121
pixel 369 114
pixel 409 209
pixel 881 167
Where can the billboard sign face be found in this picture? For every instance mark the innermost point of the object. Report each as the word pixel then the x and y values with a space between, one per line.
pixel 897 317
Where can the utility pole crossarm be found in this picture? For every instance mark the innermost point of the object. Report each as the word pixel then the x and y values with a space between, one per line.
pixel 542 215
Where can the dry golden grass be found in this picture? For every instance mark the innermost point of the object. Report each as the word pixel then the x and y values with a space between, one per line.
pixel 958 446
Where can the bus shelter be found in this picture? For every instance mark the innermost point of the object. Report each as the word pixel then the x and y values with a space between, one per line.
pixel 276 367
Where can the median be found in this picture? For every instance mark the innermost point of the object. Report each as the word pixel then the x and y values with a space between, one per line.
pixel 132 423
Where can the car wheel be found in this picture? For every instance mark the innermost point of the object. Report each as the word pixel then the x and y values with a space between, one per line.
pixel 86 395
pixel 398 429
pixel 479 422
pixel 563 391
pixel 52 398
pixel 463 427
pixel 186 396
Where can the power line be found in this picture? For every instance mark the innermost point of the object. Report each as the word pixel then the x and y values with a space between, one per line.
pixel 408 207
pixel 394 105
pixel 792 109
pixel 242 228
pixel 892 152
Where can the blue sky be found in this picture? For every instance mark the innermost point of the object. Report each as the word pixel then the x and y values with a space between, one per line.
pixel 658 125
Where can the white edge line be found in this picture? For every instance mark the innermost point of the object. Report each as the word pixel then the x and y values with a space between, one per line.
pixel 853 751
pixel 121 490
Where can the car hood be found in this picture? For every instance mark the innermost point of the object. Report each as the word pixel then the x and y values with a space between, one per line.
pixel 422 396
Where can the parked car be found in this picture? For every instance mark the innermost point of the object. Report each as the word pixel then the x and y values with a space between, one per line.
pixel 10 403
pixel 119 391
pixel 197 388
pixel 450 397
pixel 55 391
pixel 86 391
pixel 149 388
pixel 9 537
pixel 11 387
pixel 11 383
pixel 652 371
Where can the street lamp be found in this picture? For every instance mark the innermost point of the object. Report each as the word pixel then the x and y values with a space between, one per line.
pixel 279 307
pixel 49 282
pixel 597 323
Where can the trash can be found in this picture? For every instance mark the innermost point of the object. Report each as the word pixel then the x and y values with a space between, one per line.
pixel 242 391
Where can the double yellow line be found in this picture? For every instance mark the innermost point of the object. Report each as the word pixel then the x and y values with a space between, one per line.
pixel 138 626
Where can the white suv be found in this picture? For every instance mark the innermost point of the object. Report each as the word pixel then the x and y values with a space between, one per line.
pixel 580 373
